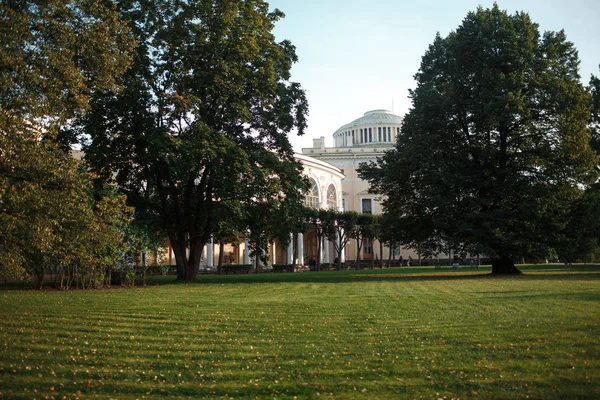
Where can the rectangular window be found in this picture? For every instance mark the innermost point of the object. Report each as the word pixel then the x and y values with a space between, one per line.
pixel 370 135
pixel 367 206
pixel 379 131
pixel 389 134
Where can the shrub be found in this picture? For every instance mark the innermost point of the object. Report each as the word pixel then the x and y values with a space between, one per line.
pixel 236 268
pixel 282 268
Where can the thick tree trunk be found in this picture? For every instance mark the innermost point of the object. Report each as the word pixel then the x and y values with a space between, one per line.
pixel 193 266
pixel 504 265
pixel 180 250
pixel 187 265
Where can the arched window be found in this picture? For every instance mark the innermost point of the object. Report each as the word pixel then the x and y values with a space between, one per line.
pixel 331 198
pixel 312 197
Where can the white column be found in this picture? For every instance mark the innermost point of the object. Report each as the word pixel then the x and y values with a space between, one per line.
pixel 300 249
pixel 326 252
pixel 209 253
pixel 247 249
pixel 273 253
pixel 290 250
pixel 240 255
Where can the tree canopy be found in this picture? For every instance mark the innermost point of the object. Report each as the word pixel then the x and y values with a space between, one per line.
pixel 54 56
pixel 201 127
pixel 496 145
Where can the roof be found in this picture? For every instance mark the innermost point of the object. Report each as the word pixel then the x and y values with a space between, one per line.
pixel 310 161
pixel 374 117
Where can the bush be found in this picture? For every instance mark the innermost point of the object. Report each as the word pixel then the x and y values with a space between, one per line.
pixel 328 267
pixel 236 268
pixel 282 268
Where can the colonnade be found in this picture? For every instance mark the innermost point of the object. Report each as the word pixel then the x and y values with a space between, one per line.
pixel 326 253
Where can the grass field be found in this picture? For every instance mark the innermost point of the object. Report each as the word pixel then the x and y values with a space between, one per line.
pixel 392 333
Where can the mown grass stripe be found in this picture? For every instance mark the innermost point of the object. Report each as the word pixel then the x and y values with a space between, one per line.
pixel 351 334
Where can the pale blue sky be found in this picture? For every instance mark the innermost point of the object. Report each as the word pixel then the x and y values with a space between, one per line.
pixel 356 55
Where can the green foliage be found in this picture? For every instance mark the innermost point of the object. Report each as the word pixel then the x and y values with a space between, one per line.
pixel 582 233
pixel 283 268
pixel 363 228
pixel 337 228
pixel 496 147
pixel 316 219
pixel 50 221
pixel 594 88
pixel 236 268
pixel 198 137
pixel 56 53
pixel 54 56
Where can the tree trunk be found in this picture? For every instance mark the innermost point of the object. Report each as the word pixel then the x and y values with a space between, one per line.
pixel 358 249
pixel 389 263
pixel 180 250
pixel 372 254
pixel 319 249
pixel 220 262
pixel 504 265
pixel 187 267
pixel 294 250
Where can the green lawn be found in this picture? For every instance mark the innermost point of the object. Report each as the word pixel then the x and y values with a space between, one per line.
pixel 392 333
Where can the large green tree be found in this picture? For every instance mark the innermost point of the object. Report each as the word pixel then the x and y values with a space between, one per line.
pixel 496 146
pixel 203 121
pixel 55 54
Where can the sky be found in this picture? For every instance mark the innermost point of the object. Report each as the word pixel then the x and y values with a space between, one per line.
pixel 360 55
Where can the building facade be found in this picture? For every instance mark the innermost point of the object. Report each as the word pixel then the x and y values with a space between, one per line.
pixel 360 141
pixel 325 193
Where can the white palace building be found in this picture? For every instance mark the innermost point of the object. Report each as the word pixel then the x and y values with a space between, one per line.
pixel 359 141
pixel 334 184
pixel 325 193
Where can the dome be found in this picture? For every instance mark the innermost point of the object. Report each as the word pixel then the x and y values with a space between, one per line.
pixel 377 127
pixel 375 117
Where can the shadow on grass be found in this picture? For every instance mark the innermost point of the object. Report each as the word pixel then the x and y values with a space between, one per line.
pixel 407 274
pixel 398 274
